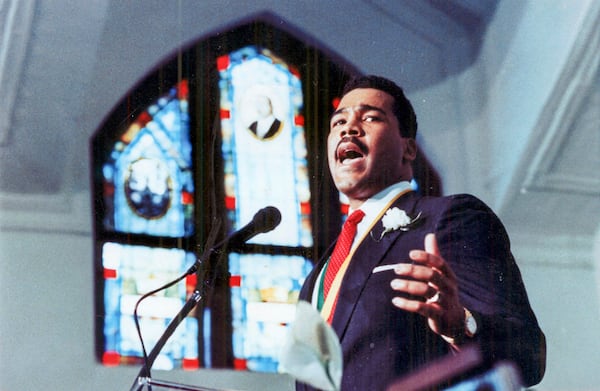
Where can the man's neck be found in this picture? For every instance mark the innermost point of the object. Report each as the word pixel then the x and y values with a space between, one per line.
pixel 396 188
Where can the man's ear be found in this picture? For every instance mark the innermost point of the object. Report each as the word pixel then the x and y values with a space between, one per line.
pixel 410 152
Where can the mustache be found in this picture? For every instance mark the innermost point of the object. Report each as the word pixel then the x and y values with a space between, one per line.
pixel 354 140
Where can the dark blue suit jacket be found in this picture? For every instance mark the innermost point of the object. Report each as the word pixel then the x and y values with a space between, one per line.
pixel 381 343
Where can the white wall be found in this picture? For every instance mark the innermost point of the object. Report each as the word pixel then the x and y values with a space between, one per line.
pixel 560 276
pixel 569 313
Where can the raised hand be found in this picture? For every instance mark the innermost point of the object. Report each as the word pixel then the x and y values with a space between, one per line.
pixel 433 288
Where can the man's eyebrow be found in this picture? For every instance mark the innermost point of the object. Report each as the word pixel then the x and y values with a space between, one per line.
pixel 357 108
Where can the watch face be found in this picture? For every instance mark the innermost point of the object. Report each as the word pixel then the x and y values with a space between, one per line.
pixel 470 325
pixel 148 188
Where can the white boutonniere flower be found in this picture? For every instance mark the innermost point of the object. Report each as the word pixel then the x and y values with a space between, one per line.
pixel 396 218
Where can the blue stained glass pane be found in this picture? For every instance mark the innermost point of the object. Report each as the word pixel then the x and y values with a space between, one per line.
pixel 131 271
pixel 263 147
pixel 148 182
pixel 263 305
pixel 265 162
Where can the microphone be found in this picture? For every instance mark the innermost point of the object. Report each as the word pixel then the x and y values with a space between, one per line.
pixel 264 220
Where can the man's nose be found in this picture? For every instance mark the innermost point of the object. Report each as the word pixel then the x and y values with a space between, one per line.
pixel 350 128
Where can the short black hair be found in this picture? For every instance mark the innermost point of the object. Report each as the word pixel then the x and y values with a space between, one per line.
pixel 402 108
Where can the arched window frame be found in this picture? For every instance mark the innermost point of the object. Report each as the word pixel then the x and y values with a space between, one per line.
pixel 322 75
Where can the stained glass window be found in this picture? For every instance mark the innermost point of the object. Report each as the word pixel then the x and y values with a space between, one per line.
pixel 265 163
pixel 147 189
pixel 263 143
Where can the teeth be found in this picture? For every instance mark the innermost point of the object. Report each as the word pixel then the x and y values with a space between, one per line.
pixel 349 154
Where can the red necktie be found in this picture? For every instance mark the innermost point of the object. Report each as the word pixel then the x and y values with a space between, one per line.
pixel 342 248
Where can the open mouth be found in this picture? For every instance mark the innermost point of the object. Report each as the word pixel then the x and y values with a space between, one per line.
pixel 348 152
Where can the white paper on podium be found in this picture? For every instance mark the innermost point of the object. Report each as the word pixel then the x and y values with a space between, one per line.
pixel 312 352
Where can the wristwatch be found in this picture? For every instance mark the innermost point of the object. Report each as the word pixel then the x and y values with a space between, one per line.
pixel 470 324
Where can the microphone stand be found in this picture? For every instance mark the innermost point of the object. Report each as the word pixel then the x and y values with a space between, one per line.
pixel 144 374
pixel 143 378
pixel 264 220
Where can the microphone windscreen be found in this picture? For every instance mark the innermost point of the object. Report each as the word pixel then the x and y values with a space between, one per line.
pixel 267 219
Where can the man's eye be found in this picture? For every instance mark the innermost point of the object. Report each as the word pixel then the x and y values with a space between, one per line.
pixel 371 118
pixel 337 122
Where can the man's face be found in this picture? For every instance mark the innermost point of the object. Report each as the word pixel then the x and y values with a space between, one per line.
pixel 365 150
pixel 263 106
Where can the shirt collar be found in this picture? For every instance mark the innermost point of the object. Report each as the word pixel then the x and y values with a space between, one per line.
pixel 373 206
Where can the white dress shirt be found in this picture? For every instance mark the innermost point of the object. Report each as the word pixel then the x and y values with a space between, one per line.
pixel 372 208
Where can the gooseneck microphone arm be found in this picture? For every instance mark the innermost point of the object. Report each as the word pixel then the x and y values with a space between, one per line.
pixel 263 221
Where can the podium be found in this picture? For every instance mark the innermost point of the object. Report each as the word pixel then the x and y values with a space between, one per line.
pixel 462 371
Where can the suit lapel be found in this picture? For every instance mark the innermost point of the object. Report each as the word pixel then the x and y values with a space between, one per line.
pixel 367 256
pixel 306 292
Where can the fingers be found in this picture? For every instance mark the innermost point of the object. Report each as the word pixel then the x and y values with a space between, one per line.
pixel 427 277
pixel 431 245
pixel 413 288
pixel 424 309
pixel 426 274
pixel 429 287
pixel 431 257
